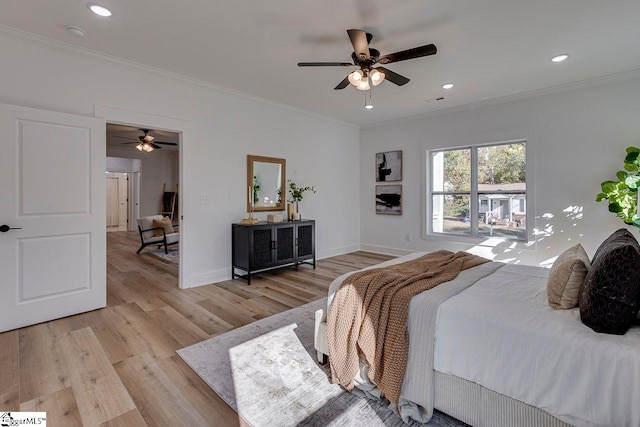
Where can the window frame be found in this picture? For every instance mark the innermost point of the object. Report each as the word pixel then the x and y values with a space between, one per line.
pixel 473 193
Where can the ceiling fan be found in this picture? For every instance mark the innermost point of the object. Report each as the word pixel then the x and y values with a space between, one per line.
pixel 365 57
pixel 147 142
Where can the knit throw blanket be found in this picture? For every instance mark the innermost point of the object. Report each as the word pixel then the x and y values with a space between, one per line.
pixel 368 317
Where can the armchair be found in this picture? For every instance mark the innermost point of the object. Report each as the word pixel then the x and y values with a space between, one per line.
pixel 148 236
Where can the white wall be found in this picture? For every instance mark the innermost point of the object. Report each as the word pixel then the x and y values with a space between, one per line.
pixel 223 129
pixel 575 140
pixel 157 168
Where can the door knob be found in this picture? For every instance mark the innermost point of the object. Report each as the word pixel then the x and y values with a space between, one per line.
pixel 4 228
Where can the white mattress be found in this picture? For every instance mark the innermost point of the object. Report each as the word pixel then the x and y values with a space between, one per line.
pixel 502 334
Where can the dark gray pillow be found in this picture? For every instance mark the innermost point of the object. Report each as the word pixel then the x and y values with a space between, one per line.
pixel 610 297
pixel 622 233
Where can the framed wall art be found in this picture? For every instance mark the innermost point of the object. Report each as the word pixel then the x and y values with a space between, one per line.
pixel 389 199
pixel 389 166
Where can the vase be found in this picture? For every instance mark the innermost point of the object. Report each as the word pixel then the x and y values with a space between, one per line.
pixel 290 211
pixel 296 212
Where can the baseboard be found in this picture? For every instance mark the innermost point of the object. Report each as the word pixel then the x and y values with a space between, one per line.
pixel 224 274
pixel 207 278
pixel 384 250
pixel 328 253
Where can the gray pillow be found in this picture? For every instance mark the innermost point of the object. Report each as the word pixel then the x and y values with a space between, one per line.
pixel 566 278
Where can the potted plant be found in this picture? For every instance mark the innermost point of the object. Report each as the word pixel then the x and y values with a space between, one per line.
pixel 296 193
pixel 623 193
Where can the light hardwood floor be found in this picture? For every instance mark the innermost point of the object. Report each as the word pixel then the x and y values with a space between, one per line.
pixel 117 366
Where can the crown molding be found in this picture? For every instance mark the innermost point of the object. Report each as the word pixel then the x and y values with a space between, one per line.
pixel 35 39
pixel 597 81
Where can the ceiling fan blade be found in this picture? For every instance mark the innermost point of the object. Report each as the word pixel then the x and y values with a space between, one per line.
pixel 123 137
pixel 360 45
pixel 154 145
pixel 416 52
pixel 324 64
pixel 393 77
pixel 165 143
pixel 342 84
pixel 131 142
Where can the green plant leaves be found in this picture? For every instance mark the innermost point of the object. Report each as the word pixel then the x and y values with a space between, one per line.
pixel 632 181
pixel 632 162
pixel 609 187
pixel 623 194
pixel 297 193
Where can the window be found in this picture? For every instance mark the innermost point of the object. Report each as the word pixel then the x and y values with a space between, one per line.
pixel 478 191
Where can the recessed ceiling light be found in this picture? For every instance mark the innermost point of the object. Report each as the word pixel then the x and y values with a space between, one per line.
pixel 77 31
pixel 447 86
pixel 559 58
pixel 368 106
pixel 99 10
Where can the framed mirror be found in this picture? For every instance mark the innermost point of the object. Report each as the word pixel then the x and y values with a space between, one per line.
pixel 266 178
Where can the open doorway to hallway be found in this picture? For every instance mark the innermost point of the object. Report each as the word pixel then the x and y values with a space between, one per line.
pixel 144 164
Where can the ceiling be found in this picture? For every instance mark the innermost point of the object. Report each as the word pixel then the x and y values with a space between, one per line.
pixel 488 49
pixel 120 136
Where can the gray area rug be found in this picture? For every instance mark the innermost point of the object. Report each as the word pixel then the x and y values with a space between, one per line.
pixel 173 255
pixel 268 373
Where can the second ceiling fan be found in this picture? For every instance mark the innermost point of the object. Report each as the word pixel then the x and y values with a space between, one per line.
pixel 365 57
pixel 147 142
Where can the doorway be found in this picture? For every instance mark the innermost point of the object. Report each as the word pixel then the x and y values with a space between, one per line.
pixel 181 129
pixel 143 164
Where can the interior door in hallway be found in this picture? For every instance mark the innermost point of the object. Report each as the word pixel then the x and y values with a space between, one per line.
pixel 117 201
pixel 53 263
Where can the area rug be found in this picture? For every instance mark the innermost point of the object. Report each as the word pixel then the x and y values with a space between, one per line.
pixel 267 372
pixel 173 255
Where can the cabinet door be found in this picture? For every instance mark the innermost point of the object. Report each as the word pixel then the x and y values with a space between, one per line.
pixel 285 243
pixel 305 241
pixel 262 247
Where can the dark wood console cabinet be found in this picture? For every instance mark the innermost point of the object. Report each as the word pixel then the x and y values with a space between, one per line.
pixel 266 245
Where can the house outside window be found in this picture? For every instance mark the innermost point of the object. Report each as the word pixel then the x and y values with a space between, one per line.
pixel 478 191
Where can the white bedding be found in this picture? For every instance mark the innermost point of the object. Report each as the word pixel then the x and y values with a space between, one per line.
pixel 417 395
pixel 501 333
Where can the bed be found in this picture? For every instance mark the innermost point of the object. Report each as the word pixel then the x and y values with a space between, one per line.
pixel 501 356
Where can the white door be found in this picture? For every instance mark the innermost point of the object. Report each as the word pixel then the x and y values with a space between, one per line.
pixel 117 200
pixel 135 196
pixel 113 202
pixel 52 188
pixel 123 188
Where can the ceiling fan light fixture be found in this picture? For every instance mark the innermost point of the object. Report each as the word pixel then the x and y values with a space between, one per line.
pixel 356 77
pixel 377 77
pixel 363 84
pixel 145 147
